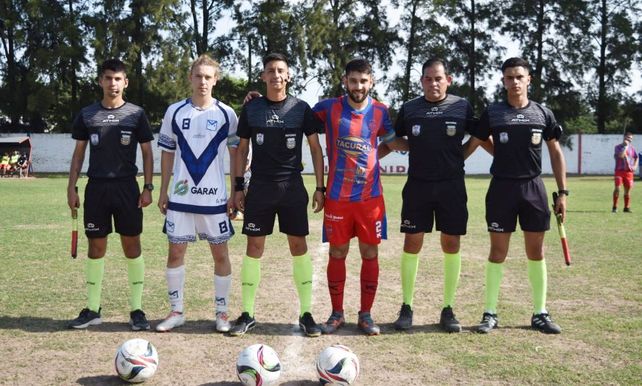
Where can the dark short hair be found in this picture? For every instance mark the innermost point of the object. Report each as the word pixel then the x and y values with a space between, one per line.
pixel 516 62
pixel 359 65
pixel 275 56
pixel 115 65
pixel 432 61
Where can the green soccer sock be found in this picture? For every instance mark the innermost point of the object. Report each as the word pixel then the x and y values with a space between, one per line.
pixel 452 269
pixel 494 274
pixel 94 271
pixel 409 266
pixel 250 279
pixel 537 278
pixel 302 272
pixel 136 276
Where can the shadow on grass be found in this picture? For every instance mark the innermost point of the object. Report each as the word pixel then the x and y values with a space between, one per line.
pixel 304 382
pixel 101 380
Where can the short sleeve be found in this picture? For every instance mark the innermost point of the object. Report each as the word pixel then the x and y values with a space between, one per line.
pixel 311 123
pixel 79 130
pixel 144 129
pixel 400 128
pixel 481 127
pixel 167 139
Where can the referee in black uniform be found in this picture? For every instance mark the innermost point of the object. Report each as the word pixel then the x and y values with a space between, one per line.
pixel 275 125
pixel 518 128
pixel 435 193
pixel 114 129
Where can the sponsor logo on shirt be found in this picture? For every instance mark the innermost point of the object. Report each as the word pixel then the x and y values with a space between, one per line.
pixel 353 146
pixel 111 118
pixel 212 125
pixel 503 137
pixel 259 138
pixel 416 130
pixel 520 118
pixel 204 191
pixel 274 119
pixel 181 187
pixel 451 128
pixel 434 111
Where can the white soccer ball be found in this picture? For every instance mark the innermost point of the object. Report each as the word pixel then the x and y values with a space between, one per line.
pixel 337 365
pixel 136 360
pixel 258 365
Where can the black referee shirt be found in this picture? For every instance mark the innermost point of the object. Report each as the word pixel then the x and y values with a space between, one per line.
pixel 517 138
pixel 435 132
pixel 113 136
pixel 276 130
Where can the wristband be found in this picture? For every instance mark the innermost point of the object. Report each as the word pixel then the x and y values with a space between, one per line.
pixel 239 184
pixel 563 191
pixel 321 189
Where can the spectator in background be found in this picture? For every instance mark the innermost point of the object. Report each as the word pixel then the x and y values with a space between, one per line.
pixel 23 165
pixel 4 163
pixel 626 161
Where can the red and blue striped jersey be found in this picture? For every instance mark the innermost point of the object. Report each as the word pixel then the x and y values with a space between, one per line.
pixel 351 146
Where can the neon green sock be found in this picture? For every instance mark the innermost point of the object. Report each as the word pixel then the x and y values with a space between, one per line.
pixel 537 278
pixel 494 274
pixel 302 272
pixel 452 269
pixel 250 279
pixel 94 272
pixel 136 276
pixel 409 266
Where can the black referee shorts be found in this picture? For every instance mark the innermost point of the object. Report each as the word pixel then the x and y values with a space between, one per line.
pixel 443 202
pixel 507 200
pixel 105 199
pixel 266 199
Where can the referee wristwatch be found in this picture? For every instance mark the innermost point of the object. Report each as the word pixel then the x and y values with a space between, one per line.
pixel 149 187
pixel 563 191
pixel 321 189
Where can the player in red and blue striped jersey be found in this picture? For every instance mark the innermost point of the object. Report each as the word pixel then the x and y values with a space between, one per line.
pixel 354 206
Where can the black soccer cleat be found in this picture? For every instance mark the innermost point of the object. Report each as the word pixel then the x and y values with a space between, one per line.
pixel 138 321
pixel 309 326
pixel 404 321
pixel 489 321
pixel 86 318
pixel 243 324
pixel 543 322
pixel 448 322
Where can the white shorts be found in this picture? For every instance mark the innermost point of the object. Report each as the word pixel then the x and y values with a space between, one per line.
pixel 182 227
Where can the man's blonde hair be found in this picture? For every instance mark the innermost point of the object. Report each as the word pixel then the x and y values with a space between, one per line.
pixel 206 60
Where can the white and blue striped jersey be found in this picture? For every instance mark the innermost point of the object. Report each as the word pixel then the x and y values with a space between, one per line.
pixel 199 139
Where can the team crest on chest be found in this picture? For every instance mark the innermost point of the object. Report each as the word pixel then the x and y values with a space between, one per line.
pixel 536 137
pixel 290 142
pixel 125 137
pixel 95 139
pixel 259 138
pixel 416 130
pixel 212 125
pixel 451 128
pixel 503 137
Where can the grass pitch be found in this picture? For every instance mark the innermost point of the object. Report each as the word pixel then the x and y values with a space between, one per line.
pixel 597 301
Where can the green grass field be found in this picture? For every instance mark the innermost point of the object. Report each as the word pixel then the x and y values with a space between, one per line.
pixel 597 301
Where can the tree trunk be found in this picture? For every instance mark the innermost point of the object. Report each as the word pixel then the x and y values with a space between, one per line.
pixel 411 52
pixel 472 58
pixel 601 72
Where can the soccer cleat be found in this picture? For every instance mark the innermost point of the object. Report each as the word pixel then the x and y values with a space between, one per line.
pixel 243 324
pixel 173 320
pixel 448 322
pixel 138 321
pixel 614 210
pixel 309 326
pixel 86 318
pixel 222 322
pixel 627 210
pixel 488 322
pixel 367 325
pixel 542 322
pixel 404 322
pixel 335 321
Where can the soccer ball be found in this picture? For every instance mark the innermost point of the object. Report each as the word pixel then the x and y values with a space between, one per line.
pixel 337 365
pixel 136 360
pixel 258 365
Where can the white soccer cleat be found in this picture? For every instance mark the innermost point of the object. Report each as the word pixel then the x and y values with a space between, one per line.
pixel 222 322
pixel 174 319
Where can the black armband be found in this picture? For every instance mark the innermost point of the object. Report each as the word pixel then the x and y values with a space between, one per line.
pixel 239 184
pixel 321 189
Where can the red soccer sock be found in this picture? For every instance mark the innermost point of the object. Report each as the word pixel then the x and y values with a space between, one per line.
pixel 369 282
pixel 627 200
pixel 336 282
pixel 615 197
